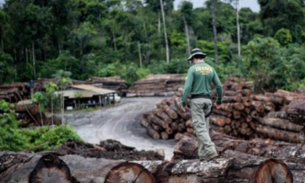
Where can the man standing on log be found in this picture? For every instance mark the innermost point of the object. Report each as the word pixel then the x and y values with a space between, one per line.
pixel 198 85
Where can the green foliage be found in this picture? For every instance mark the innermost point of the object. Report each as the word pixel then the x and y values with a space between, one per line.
pixel 282 14
pixel 6 68
pixel 283 36
pixel 103 38
pixel 63 78
pixel 272 66
pixel 261 54
pixel 224 69
pixel 51 137
pixel 208 48
pixel 177 66
pixel 12 138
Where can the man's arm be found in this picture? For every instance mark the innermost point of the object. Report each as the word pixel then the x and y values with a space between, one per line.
pixel 218 86
pixel 187 86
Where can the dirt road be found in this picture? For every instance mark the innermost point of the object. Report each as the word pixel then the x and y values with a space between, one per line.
pixel 122 123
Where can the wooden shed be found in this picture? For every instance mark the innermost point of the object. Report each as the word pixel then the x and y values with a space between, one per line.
pixel 87 95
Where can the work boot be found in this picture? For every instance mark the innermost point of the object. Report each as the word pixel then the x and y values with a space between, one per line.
pixel 211 157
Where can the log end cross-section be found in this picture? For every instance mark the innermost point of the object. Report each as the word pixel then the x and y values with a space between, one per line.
pixel 129 172
pixel 51 169
pixel 272 171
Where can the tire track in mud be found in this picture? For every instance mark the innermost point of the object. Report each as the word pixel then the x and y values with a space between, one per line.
pixel 122 123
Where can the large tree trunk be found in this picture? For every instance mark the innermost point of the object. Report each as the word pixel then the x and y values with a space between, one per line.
pixel 2 44
pixel 215 30
pixel 233 167
pixel 140 54
pixel 159 24
pixel 26 55
pixel 165 32
pixel 187 36
pixel 34 60
pixel 238 28
pixel 72 169
pixel 114 40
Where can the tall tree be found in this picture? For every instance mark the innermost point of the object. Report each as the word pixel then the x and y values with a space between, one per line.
pixel 238 27
pixel 4 21
pixel 165 32
pixel 186 10
pixel 215 30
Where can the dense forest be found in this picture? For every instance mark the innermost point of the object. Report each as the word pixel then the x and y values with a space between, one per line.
pixel 134 38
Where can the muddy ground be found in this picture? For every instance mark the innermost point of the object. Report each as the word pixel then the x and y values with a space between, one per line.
pixel 122 123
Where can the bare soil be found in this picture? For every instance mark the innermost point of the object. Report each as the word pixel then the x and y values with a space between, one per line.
pixel 120 122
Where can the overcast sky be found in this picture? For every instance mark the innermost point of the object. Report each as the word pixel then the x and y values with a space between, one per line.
pixel 199 3
pixel 242 3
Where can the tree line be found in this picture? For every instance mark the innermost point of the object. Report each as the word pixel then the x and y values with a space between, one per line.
pixel 133 38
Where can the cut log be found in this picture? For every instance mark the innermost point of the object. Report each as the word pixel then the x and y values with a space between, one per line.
pixel 154 119
pixel 278 114
pixel 247 101
pixel 169 131
pixel 189 123
pixel 181 127
pixel 174 126
pixel 152 132
pixel 56 170
pixel 222 113
pixel 254 115
pixel 220 120
pixel 172 114
pixel 178 136
pixel 162 115
pixel 227 99
pixel 273 170
pixel 296 111
pixel 239 106
pixel 227 129
pixel 275 100
pixel 156 127
pixel 225 106
pixel 278 134
pixel 259 106
pixel 281 124
pixel 246 92
pixel 164 135
pixel 32 108
pixel 50 169
pixel 231 93
pixel 190 130
pixel 129 172
pixel 144 122
pixel 236 114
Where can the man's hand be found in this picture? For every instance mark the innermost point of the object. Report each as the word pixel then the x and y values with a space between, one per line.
pixel 183 108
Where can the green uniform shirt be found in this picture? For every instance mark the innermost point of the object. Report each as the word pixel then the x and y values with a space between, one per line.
pixel 199 79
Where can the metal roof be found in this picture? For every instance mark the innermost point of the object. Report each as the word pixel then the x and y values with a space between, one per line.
pixel 85 91
pixel 101 91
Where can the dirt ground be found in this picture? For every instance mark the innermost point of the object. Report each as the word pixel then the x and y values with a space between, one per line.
pixel 122 123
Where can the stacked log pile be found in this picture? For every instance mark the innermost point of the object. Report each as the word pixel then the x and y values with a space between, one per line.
pixel 242 114
pixel 112 83
pixel 14 92
pixel 30 116
pixel 156 85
